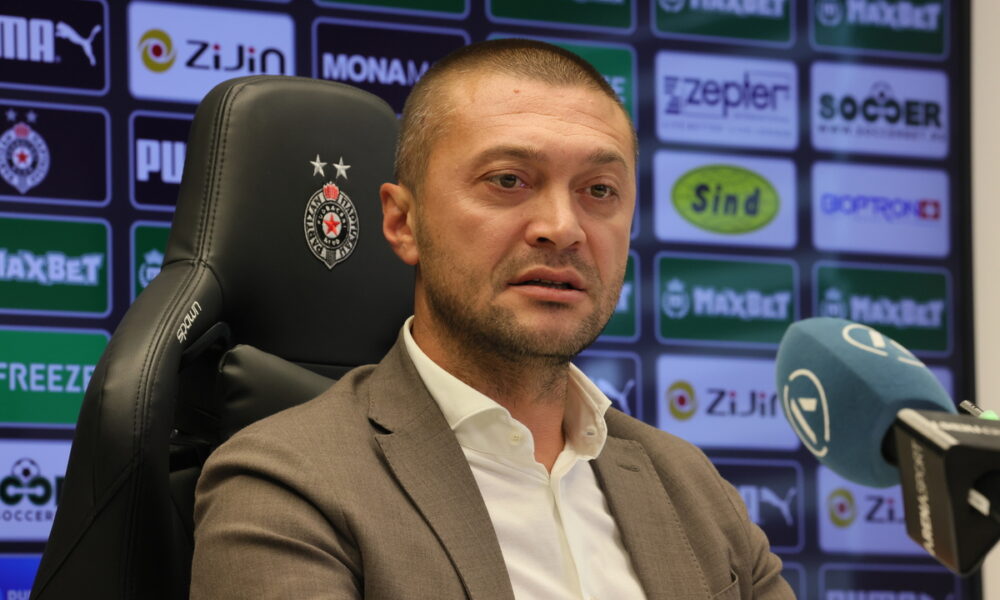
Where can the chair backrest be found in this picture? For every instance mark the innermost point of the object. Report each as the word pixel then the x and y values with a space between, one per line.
pixel 277 244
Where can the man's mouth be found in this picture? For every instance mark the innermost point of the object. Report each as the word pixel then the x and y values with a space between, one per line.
pixel 558 285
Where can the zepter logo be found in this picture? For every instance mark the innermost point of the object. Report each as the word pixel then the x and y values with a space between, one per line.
pixel 158 53
pixel 681 400
pixel 841 507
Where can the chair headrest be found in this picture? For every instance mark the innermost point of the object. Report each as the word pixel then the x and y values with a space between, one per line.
pixel 280 202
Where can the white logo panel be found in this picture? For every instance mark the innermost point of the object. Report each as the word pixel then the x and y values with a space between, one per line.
pixel 31 475
pixel 726 101
pixel 881 210
pixel 709 187
pixel 857 519
pixel 716 402
pixel 879 110
pixel 179 53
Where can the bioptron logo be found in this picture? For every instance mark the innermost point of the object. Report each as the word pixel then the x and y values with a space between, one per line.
pixel 726 101
pixel 180 52
pixel 909 305
pixel 860 519
pixel 724 199
pixel 880 110
pixel 883 210
pixel 721 402
pixel 906 27
pixel 54 46
pixel 767 22
pixel 724 300
pixel 31 476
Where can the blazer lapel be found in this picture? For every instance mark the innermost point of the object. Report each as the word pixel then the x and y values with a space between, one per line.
pixel 422 452
pixel 650 527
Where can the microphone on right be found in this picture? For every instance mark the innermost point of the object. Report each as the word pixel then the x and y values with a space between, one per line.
pixel 872 412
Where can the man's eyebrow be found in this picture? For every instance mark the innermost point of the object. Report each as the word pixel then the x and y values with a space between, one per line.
pixel 520 152
pixel 604 157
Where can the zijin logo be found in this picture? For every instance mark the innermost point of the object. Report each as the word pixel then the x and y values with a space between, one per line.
pixel 681 400
pixel 180 52
pixel 158 53
pixel 841 508
pixel 707 99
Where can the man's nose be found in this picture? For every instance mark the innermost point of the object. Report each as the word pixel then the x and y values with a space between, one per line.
pixel 554 221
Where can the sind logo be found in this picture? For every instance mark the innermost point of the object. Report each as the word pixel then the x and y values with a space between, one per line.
pixel 725 199
pixel 681 400
pixel 841 508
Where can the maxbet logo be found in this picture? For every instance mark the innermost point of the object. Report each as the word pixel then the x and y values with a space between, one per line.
pixel 179 52
pixel 912 28
pixel 763 22
pixel 709 299
pixel 909 305
pixel 54 266
pixel 54 46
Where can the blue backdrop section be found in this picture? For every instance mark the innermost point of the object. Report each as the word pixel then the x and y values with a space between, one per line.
pixel 797 158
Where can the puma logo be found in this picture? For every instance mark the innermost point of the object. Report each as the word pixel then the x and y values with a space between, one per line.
pixel 66 32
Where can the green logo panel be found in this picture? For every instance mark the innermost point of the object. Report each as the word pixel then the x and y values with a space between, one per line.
pixel 908 27
pixel 624 323
pixel 616 66
pixel 912 306
pixel 44 373
pixel 149 241
pixel 581 14
pixel 447 7
pixel 724 301
pixel 54 266
pixel 767 22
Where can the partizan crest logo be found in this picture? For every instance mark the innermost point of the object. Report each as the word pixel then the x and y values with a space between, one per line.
pixel 24 155
pixel 331 221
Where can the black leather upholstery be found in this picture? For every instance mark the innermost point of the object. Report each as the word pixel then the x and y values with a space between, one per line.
pixel 238 269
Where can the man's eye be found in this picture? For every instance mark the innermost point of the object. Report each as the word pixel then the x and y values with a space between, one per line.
pixel 601 191
pixel 506 180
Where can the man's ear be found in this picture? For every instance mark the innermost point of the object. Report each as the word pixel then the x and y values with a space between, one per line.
pixel 398 218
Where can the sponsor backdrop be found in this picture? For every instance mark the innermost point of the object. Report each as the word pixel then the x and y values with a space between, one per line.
pixel 798 158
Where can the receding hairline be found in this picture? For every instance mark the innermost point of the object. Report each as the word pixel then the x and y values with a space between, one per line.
pixel 422 127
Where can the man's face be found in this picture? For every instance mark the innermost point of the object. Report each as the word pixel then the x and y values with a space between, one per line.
pixel 522 220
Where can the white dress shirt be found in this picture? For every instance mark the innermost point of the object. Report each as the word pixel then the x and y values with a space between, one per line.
pixel 556 533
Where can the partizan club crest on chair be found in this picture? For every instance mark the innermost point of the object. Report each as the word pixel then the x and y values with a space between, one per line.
pixel 331 225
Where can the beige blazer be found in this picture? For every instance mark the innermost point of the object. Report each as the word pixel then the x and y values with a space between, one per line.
pixel 363 492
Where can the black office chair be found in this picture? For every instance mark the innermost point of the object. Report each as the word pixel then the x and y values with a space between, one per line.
pixel 276 251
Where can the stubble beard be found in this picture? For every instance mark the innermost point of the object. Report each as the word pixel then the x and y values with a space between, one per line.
pixel 494 331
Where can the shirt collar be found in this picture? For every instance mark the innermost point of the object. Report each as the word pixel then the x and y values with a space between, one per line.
pixel 480 423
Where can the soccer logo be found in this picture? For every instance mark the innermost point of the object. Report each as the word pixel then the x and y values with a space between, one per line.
pixel 24 155
pixel 331 221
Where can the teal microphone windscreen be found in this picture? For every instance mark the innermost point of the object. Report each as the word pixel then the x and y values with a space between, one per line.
pixel 841 385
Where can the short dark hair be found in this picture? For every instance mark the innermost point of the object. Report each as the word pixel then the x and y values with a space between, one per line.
pixel 427 107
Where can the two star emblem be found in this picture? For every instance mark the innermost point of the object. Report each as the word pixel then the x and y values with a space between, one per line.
pixel 339 166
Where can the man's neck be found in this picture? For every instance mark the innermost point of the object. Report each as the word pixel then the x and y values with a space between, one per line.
pixel 533 391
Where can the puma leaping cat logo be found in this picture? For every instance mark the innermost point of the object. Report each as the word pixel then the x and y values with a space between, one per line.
pixel 65 31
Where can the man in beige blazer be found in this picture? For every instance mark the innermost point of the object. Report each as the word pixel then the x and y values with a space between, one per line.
pixel 474 461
